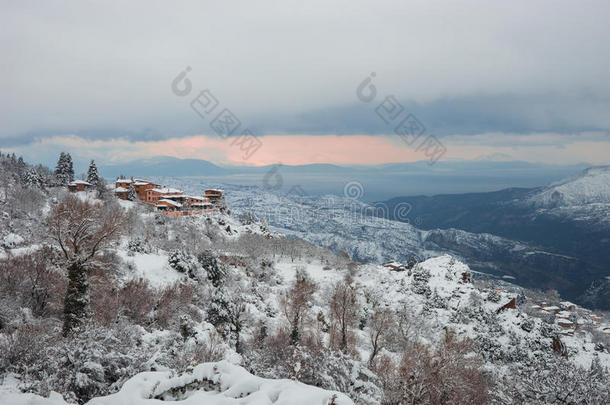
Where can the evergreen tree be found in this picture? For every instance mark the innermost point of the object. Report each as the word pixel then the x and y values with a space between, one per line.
pixel 131 194
pixel 212 266
pixel 32 179
pixel 64 171
pixel 93 176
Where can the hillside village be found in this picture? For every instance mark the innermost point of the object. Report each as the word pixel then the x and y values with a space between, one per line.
pixel 166 200
pixel 169 201
pixel 567 316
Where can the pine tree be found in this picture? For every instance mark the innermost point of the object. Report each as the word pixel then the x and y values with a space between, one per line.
pixel 131 194
pixel 93 176
pixel 32 179
pixel 64 171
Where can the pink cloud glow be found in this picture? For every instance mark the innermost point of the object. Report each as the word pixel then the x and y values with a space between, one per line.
pixel 342 150
pixel 290 150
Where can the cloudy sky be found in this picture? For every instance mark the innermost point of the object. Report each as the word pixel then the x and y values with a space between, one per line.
pixel 522 80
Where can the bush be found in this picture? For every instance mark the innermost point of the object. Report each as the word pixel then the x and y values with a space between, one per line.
pixel 175 297
pixel 213 267
pixel 494 296
pixel 446 373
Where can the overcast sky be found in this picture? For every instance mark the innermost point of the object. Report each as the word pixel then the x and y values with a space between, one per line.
pixel 521 79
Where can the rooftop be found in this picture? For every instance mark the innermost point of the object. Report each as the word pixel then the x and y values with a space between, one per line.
pixel 167 190
pixel 170 202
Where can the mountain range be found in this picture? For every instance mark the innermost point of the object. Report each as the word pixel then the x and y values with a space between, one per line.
pixel 518 233
pixel 377 182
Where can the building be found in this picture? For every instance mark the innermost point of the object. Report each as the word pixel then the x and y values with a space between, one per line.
pixel 79 185
pixel 170 201
pixel 395 266
pixel 123 183
pixel 214 195
pixel 121 192
pixel 141 186
pixel 155 194
pixel 165 205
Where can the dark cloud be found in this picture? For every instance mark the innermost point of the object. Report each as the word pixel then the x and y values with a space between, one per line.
pixel 467 115
pixel 93 70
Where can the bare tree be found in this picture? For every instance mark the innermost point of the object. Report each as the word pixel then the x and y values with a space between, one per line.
pixel 82 230
pixel 446 373
pixel 343 311
pixel 380 331
pixel 296 303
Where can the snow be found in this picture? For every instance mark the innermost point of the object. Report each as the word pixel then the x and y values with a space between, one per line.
pixel 152 266
pixel 394 290
pixel 170 202
pixel 120 190
pixel 591 186
pixel 75 182
pixel 12 240
pixel 17 398
pixel 126 204
pixel 220 383
pixel 167 190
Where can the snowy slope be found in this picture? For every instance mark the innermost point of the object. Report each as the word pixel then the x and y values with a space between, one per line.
pixel 349 225
pixel 447 302
pixel 218 383
pixel 590 187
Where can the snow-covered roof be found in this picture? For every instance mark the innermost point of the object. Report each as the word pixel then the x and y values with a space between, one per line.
pixel 141 183
pixel 170 202
pixel 203 204
pixel 120 190
pixel 123 181
pixel 166 190
pixel 174 196
pixel 75 182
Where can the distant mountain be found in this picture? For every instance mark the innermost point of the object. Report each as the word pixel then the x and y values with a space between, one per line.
pixel 378 182
pixel 592 186
pixel 347 225
pixel 570 218
pixel 164 166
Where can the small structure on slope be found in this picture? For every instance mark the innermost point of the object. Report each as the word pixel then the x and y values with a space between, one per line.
pixel 79 185
pixel 512 304
pixel 394 266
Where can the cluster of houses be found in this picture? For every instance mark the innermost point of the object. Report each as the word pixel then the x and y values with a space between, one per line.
pixel 169 201
pixel 568 319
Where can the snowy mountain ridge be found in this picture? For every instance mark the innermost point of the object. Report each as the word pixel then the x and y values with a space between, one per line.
pixel 592 186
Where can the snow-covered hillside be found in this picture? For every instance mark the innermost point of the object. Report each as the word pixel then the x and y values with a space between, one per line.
pixel 224 309
pixel 366 234
pixel 592 186
pixel 220 383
